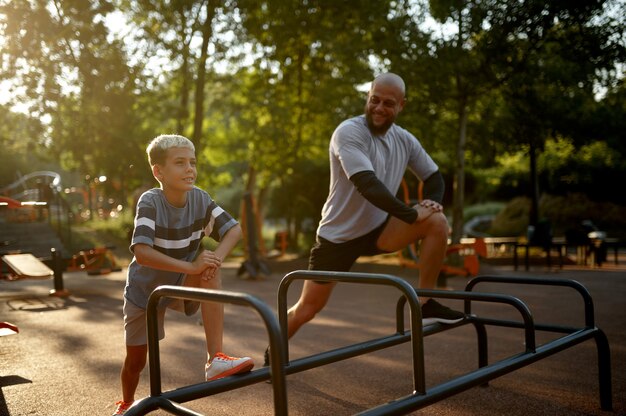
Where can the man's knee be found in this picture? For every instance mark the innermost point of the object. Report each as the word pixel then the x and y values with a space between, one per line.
pixel 438 224
pixel 304 312
pixel 312 301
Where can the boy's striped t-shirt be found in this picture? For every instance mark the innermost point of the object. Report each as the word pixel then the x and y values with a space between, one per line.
pixel 175 232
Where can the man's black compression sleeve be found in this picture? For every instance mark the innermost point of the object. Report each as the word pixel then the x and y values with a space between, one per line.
pixel 434 187
pixel 375 192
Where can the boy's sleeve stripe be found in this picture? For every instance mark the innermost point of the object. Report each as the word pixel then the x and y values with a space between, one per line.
pixel 224 228
pixel 178 233
pixel 148 222
pixel 217 211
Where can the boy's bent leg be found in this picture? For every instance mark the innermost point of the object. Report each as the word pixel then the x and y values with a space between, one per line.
pixel 212 313
pixel 131 370
pixel 218 364
pixel 312 300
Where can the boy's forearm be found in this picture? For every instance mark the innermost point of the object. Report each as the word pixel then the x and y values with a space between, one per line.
pixel 149 257
pixel 229 241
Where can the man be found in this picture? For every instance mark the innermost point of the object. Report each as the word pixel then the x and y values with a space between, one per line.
pixel 369 155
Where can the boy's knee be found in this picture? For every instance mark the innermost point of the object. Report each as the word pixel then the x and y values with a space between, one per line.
pixel 215 283
pixel 134 366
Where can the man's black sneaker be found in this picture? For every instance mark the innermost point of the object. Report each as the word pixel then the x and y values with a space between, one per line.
pixel 266 357
pixel 433 311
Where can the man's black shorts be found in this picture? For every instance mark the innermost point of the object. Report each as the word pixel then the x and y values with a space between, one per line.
pixel 339 257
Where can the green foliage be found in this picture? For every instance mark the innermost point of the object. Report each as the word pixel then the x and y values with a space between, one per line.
pixel 487 208
pixel 19 142
pixel 511 77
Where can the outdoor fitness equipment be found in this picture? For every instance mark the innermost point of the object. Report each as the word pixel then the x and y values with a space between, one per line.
pixel 280 365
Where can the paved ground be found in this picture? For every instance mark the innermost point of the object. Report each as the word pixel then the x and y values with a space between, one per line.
pixel 67 357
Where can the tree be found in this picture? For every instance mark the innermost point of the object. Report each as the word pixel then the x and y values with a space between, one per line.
pixel 558 51
pixel 75 80
pixel 302 82
pixel 505 46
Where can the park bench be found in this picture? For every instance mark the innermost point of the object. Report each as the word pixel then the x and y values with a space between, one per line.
pixel 281 365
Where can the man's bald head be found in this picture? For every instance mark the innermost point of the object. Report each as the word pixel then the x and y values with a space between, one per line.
pixel 390 79
pixel 385 101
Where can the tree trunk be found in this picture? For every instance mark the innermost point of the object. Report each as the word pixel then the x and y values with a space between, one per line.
pixel 207 32
pixel 458 185
pixel 459 176
pixel 534 186
pixel 183 109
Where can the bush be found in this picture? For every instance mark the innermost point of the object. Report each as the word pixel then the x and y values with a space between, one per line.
pixel 513 219
pixel 563 213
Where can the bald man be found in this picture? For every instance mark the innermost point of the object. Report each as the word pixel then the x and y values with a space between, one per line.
pixel 369 155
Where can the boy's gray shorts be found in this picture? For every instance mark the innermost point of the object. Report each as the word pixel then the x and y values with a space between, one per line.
pixel 135 325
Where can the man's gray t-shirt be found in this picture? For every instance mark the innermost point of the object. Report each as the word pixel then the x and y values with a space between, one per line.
pixel 353 148
pixel 176 232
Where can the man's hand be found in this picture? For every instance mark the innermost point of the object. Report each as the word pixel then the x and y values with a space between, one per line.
pixel 426 208
pixel 436 206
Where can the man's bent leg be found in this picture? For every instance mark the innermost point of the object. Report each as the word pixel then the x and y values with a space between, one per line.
pixel 433 233
pixel 312 300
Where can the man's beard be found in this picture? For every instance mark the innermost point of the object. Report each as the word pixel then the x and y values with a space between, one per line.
pixel 376 130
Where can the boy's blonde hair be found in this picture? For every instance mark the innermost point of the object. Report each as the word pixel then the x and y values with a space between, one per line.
pixel 157 149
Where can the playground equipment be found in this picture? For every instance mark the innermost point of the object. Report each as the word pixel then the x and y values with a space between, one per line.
pixel 7 328
pixel 97 260
pixel 22 191
pixel 420 397
pixel 27 266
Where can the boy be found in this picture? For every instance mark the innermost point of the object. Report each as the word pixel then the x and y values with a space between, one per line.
pixel 169 226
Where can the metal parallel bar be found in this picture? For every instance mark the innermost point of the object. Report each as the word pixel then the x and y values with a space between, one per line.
pixel 174 408
pixel 276 369
pixel 343 353
pixel 582 290
pixel 482 375
pixel 483 347
pixel 518 324
pixel 204 389
pixel 604 370
pixel 417 339
pixel 522 308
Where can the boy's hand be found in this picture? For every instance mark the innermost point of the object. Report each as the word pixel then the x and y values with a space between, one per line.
pixel 207 260
pixel 209 273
